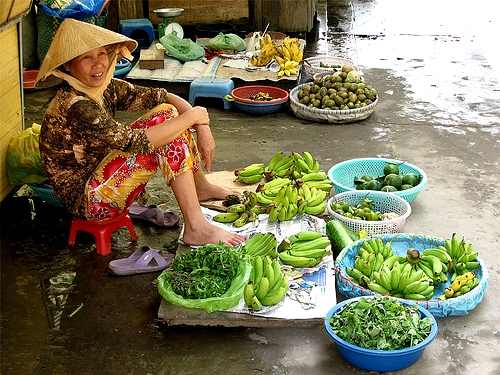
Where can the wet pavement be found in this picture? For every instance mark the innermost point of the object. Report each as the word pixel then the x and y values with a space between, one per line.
pixel 435 70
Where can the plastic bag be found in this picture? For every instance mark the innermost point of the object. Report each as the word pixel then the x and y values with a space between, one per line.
pixel 229 300
pixel 182 49
pixel 76 9
pixel 254 42
pixel 24 164
pixel 227 42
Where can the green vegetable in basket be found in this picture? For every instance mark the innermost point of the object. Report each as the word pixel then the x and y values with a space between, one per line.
pixel 391 167
pixel 380 323
pixel 393 179
pixel 411 178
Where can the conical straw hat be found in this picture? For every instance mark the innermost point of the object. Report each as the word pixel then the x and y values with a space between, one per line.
pixel 74 38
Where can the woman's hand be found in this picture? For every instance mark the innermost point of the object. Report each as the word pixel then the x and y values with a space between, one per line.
pixel 206 145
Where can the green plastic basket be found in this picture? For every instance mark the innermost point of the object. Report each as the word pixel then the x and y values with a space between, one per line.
pixel 46 194
pixel 342 175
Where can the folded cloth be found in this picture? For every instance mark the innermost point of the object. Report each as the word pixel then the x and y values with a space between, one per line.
pixel 154 215
pixel 143 260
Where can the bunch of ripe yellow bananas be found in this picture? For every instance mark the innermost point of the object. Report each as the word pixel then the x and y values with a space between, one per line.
pixel 288 54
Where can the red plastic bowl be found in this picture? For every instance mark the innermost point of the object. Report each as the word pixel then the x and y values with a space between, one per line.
pixel 242 94
pixel 29 77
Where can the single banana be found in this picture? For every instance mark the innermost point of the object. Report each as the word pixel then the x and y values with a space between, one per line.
pixel 435 263
pixel 262 288
pixel 317 243
pixel 258 269
pixel 242 220
pixel 269 271
pixel 238 208
pixel 250 180
pixel 395 275
pixel 248 293
pixel 275 298
pixel 250 170
pixel 272 163
pixel 377 288
pixel 255 303
pixel 355 274
pixel 442 255
pixel 296 262
pixel 276 272
pixel 313 253
pixel 315 210
pixel 308 235
pixel 226 217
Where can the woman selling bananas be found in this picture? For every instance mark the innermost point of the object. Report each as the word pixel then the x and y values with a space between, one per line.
pixel 98 166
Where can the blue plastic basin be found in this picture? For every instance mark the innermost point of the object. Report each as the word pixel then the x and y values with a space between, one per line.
pixel 379 360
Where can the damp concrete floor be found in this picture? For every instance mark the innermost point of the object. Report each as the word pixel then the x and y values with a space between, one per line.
pixel 435 67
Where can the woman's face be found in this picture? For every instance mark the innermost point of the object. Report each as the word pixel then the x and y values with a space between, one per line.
pixel 90 68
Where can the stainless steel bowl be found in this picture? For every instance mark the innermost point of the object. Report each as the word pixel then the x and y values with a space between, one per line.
pixel 169 12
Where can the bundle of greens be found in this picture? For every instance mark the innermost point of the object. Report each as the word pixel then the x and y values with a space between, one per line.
pixel 380 323
pixel 204 272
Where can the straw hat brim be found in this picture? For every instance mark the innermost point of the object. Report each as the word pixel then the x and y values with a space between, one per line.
pixel 74 38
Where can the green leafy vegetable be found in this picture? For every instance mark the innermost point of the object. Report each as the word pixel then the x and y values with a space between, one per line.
pixel 380 323
pixel 204 272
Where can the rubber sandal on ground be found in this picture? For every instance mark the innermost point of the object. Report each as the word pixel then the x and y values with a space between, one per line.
pixel 143 260
pixel 154 215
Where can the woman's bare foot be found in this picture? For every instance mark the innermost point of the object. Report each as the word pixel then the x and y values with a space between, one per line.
pixel 209 233
pixel 211 191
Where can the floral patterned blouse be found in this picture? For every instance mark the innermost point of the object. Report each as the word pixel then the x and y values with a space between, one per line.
pixel 77 133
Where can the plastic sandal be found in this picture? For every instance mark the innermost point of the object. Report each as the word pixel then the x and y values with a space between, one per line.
pixel 143 260
pixel 154 215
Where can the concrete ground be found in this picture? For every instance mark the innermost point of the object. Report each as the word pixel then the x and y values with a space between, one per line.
pixel 436 71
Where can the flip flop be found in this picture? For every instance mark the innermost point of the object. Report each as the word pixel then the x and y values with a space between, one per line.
pixel 154 215
pixel 143 260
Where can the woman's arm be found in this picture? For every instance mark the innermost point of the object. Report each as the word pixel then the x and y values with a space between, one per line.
pixel 168 130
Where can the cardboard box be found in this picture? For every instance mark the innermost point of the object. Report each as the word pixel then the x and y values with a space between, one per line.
pixel 152 59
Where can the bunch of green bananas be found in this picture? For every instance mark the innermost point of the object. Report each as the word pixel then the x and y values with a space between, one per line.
pixel 240 213
pixel 280 165
pixel 267 192
pixel 251 174
pixel 261 244
pixel 267 285
pixel 433 261
pixel 304 249
pixel 462 256
pixel 377 268
pixel 463 284
pixel 285 205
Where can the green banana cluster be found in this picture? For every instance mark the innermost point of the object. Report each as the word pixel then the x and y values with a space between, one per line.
pixel 240 213
pixel 304 249
pixel 280 165
pixel 313 199
pixel 377 268
pixel 463 284
pixel 285 205
pixel 261 244
pixel 462 256
pixel 267 285
pixel 268 191
pixel 285 199
pixel 251 174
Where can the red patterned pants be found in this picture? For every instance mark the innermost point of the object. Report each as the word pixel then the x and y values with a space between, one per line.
pixel 121 176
